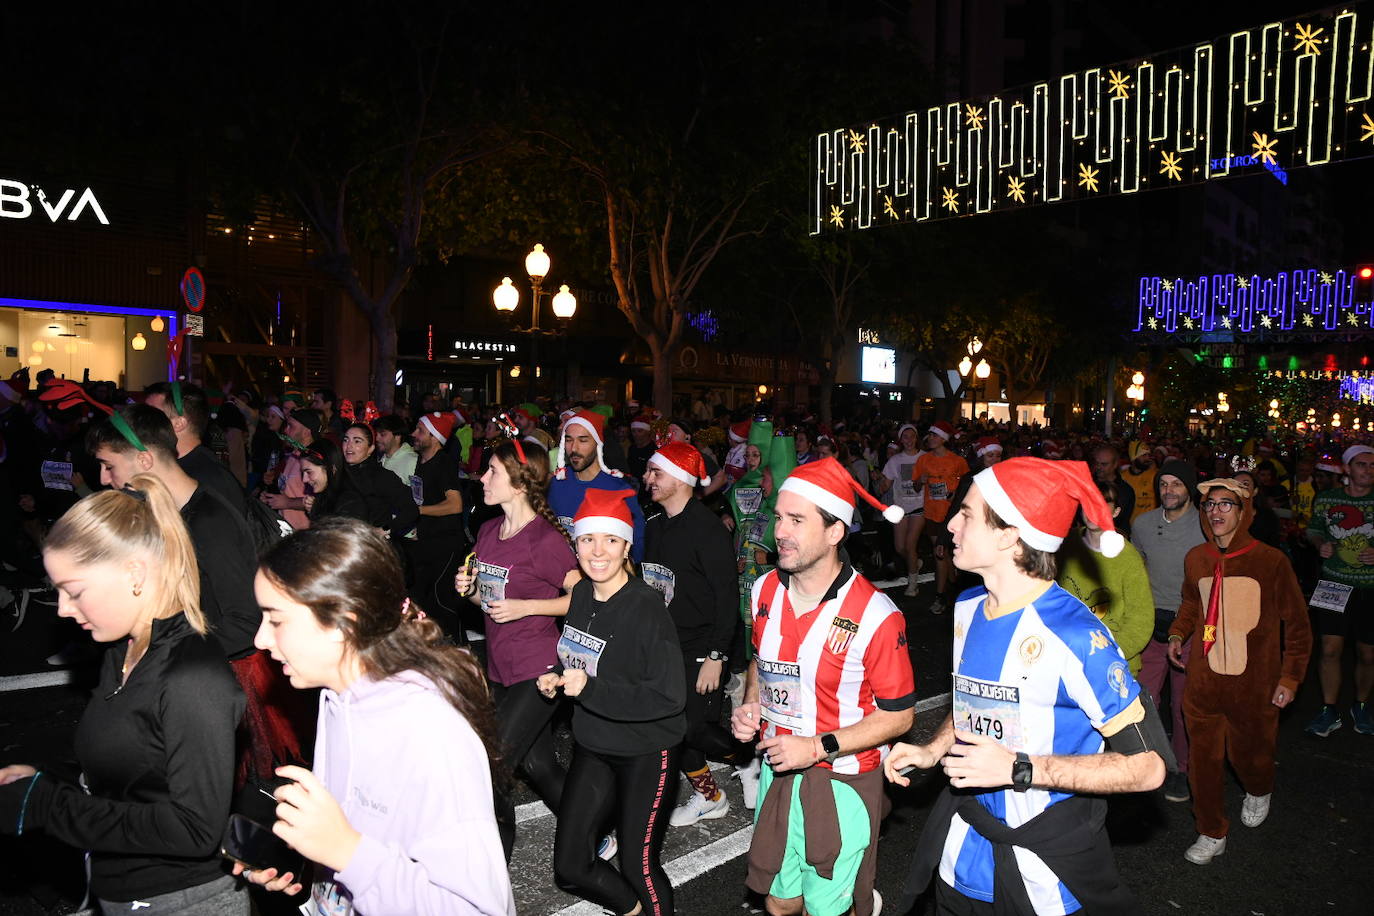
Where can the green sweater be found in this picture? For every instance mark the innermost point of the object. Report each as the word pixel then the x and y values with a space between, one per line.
pixel 1116 589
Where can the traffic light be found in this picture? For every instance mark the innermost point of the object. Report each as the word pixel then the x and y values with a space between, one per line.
pixel 1364 282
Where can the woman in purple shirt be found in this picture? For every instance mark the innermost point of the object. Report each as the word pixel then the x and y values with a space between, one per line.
pixel 521 574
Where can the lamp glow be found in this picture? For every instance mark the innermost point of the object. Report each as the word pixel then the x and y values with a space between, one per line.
pixel 506 296
pixel 1138 379
pixel 139 342
pixel 983 370
pixel 564 303
pixel 965 366
pixel 157 324
pixel 514 371
pixel 537 263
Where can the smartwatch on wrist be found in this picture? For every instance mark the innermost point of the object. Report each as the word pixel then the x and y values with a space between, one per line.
pixel 1021 772
pixel 715 655
pixel 831 745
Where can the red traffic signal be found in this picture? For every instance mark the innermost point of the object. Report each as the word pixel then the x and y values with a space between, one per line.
pixel 1365 272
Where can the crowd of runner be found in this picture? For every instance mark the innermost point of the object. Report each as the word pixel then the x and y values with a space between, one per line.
pixel 333 640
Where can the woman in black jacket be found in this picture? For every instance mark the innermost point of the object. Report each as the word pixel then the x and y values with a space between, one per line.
pixel 156 742
pixel 620 661
pixel 330 491
pixel 390 504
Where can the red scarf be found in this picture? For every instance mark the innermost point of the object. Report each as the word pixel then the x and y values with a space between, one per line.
pixel 1209 628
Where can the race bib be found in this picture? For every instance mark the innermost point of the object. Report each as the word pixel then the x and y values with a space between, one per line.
pixel 753 532
pixel 780 693
pixel 939 491
pixel 906 489
pixel 579 650
pixel 989 708
pixel 567 523
pixel 661 578
pixel 57 475
pixel 327 899
pixel 1331 596
pixel 417 490
pixel 748 499
pixel 491 583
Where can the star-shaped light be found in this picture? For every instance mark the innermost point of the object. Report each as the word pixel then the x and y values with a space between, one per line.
pixel 973 116
pixel 1154 325
pixel 1087 177
pixel 1169 165
pixel 1188 323
pixel 1168 285
pixel 951 202
pixel 1307 321
pixel 1264 148
pixel 1307 41
pixel 1016 189
pixel 1367 127
pixel 836 215
pixel 1326 278
pixel 1351 318
pixel 1120 84
pixel 1243 282
pixel 1266 321
pixel 888 207
pixel 1226 323
pixel 856 141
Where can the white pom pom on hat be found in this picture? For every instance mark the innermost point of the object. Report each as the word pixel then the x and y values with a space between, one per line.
pixel 829 486
pixel 682 461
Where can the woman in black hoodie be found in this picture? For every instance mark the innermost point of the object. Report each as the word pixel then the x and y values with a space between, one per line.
pixel 619 660
pixel 390 505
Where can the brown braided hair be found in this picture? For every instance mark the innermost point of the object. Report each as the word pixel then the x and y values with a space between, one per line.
pixel 350 577
pixel 531 478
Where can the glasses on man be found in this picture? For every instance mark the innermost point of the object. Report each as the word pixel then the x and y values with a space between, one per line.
pixel 1221 505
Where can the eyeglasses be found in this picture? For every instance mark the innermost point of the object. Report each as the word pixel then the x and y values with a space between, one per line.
pixel 1221 505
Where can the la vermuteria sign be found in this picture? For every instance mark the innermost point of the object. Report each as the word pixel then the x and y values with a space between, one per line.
pixel 1275 97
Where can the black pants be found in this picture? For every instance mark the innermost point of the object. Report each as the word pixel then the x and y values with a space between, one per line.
pixel 525 717
pixel 433 564
pixel 636 795
pixel 706 737
pixel 949 902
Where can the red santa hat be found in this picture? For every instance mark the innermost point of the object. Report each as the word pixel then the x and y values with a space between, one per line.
pixel 1041 498
pixel 14 388
pixel 595 424
pixel 989 444
pixel 643 421
pixel 942 429
pixel 683 461
pixel 739 432
pixel 605 512
pixel 830 487
pixel 1330 465
pixel 1354 452
pixel 439 424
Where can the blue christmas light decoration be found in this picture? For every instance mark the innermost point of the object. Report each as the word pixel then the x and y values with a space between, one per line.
pixel 706 324
pixel 1306 302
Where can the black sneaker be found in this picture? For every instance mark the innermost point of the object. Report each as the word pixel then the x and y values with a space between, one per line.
pixel 1176 787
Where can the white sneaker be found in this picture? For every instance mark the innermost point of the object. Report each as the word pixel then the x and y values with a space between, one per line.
pixel 1205 849
pixel 607 849
pixel 749 782
pixel 697 808
pixel 1254 809
pixel 877 903
pixel 912 587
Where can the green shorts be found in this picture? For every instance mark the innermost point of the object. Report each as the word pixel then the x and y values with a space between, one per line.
pixel 796 878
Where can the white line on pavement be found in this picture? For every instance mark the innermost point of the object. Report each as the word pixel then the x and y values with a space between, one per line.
pixel 931 702
pixel 32 681
pixel 685 867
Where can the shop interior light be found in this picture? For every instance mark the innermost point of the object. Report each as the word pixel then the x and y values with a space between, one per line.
pixel 139 341
pixel 514 371
pixel 157 324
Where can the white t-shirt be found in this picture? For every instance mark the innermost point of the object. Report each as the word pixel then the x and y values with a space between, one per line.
pixel 905 494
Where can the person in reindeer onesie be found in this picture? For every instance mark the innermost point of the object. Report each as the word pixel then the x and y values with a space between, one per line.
pixel 1242 671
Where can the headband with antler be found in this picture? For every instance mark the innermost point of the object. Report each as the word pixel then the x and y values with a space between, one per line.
pixel 63 394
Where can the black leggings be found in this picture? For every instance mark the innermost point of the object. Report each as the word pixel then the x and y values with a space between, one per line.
pixel 524 717
pixel 706 737
pixel 638 793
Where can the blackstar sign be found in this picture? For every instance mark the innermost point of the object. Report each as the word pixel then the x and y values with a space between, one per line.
pixel 16 202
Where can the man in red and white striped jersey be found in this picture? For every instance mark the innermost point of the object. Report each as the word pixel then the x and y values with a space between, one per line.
pixel 829 687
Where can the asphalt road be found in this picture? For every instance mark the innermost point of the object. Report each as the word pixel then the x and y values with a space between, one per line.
pixel 1311 856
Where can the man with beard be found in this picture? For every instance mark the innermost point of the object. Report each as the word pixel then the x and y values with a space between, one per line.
pixel 583 454
pixel 829 687
pixel 1140 477
pixel 1164 536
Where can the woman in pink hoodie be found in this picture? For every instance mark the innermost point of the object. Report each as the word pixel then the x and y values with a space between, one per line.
pixel 397 814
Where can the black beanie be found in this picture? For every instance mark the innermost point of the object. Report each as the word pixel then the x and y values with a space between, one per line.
pixel 1183 470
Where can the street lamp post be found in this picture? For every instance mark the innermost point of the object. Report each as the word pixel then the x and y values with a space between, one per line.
pixel 981 371
pixel 506 298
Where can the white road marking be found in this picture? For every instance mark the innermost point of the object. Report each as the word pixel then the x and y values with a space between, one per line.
pixel 685 867
pixel 33 681
pixel 930 703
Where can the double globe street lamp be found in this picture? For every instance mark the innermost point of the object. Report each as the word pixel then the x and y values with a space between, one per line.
pixel 980 371
pixel 506 298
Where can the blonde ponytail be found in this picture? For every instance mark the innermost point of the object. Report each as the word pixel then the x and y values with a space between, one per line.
pixel 117 525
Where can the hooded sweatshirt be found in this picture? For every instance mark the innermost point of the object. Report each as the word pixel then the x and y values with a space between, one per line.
pixel 412 778
pixel 1249 658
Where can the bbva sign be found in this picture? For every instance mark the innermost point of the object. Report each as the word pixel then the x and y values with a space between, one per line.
pixel 16 202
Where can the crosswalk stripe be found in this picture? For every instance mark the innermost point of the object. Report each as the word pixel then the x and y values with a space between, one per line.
pixel 32 681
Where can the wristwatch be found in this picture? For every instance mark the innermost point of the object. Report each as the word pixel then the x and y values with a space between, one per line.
pixel 831 745
pixel 1021 772
pixel 715 655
